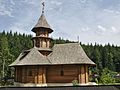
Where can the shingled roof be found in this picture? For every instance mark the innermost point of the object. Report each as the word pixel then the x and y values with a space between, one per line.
pixel 71 53
pixel 42 23
pixel 32 57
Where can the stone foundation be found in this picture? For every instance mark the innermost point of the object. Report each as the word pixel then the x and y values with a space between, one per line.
pixel 49 84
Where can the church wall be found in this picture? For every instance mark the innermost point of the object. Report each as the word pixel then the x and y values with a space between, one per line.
pixel 30 74
pixel 62 74
pixel 18 73
pixel 52 74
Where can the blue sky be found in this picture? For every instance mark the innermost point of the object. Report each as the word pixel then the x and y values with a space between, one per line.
pixel 91 20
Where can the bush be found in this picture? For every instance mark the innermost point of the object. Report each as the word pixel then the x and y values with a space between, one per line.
pixel 75 83
pixel 107 77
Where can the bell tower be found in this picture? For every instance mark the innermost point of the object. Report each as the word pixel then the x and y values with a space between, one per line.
pixel 42 29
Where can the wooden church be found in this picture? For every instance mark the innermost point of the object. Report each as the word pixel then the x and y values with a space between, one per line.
pixel 47 65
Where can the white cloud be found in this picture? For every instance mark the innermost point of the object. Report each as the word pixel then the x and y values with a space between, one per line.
pixel 57 3
pixel 85 29
pixel 114 29
pixel 5 10
pixel 103 29
pixel 20 28
pixel 30 2
pixel 12 2
pixel 83 1
pixel 111 11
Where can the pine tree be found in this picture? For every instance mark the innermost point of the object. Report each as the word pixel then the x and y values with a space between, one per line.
pixel 5 56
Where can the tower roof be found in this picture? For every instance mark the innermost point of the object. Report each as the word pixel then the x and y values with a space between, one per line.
pixel 42 23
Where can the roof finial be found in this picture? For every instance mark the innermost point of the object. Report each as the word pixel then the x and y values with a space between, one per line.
pixel 78 39
pixel 43 4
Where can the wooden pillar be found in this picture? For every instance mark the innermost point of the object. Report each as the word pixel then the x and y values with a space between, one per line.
pixel 87 79
pixel 18 74
pixel 23 75
pixel 36 74
pixel 48 43
pixel 79 74
pixel 85 72
pixel 82 74
pixel 34 42
pixel 40 76
pixel 15 74
pixel 44 75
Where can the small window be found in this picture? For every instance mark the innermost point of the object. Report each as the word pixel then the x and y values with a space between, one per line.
pixel 37 42
pixel 62 72
pixel 46 43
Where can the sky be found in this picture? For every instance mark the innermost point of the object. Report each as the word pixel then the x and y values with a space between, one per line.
pixel 92 20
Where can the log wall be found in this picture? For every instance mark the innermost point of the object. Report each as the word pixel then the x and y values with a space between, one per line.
pixel 30 74
pixel 52 74
pixel 62 74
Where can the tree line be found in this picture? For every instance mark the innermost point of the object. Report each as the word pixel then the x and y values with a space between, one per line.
pixel 12 44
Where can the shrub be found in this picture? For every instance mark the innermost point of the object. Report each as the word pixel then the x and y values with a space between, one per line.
pixel 75 83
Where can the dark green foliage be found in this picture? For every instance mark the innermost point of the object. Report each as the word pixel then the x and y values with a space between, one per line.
pixel 11 46
pixel 107 77
pixel 104 56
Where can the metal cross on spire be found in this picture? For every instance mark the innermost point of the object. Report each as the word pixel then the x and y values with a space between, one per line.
pixel 43 4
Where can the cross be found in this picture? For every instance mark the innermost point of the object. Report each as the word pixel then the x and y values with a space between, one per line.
pixel 43 4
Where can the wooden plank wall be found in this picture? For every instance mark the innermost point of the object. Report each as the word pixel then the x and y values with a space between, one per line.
pixel 62 74
pixel 52 74
pixel 38 74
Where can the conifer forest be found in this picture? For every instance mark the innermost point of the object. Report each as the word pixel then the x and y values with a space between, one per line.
pixel 107 57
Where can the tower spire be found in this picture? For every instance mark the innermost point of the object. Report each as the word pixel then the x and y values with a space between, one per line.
pixel 42 30
pixel 43 6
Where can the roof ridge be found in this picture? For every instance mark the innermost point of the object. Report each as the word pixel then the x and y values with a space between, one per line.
pixel 67 43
